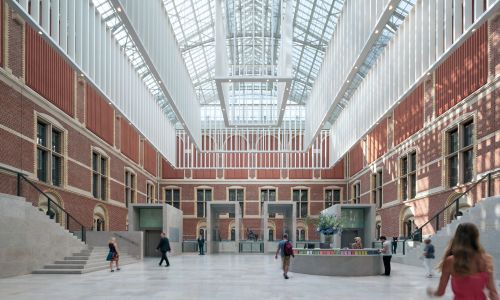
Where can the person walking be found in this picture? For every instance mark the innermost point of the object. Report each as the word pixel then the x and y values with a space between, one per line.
pixel 164 247
pixel 428 256
pixel 386 255
pixel 285 249
pixel 113 254
pixel 468 265
pixel 201 244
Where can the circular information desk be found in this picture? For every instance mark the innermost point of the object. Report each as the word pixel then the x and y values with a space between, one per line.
pixel 337 262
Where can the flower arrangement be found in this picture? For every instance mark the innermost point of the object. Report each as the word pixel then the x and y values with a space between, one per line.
pixel 327 224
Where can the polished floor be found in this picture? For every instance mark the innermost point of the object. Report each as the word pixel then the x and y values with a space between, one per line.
pixel 217 277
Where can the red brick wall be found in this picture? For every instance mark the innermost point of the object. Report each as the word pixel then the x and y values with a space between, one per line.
pixel 335 172
pixel 47 73
pixel 168 172
pixel 15 38
pixel 99 115
pixel 463 72
pixel 356 158
pixel 150 162
pixel 129 140
pixel 377 141
pixel 408 115
pixel 1 33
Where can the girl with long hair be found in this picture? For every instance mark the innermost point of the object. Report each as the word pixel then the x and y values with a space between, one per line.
pixel 470 267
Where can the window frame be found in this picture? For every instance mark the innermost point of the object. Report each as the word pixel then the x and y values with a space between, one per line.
pixel 131 177
pixel 459 153
pixel 410 176
pixel 377 185
pixel 204 200
pixel 356 192
pixel 150 192
pixel 50 153
pixel 240 202
pixel 298 206
pixel 100 156
pixel 332 188
pixel 172 201
pixel 267 188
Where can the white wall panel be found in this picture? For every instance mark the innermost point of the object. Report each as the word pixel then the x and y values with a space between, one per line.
pixel 423 37
pixel 91 49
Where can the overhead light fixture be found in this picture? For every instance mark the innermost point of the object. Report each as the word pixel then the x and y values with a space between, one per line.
pixel 473 29
pixel 429 73
pixel 40 32
pixel 159 81
pixel 229 80
pixel 376 31
pixel 356 67
pixel 276 80
pixel 267 80
pixel 347 81
pixel 390 7
pixel 81 75
pixel 119 9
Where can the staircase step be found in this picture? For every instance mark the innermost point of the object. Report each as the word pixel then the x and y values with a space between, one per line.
pixel 58 271
pixel 64 266
pixel 76 257
pixel 69 262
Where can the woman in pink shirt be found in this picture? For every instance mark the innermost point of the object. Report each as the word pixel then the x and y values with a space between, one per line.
pixel 470 267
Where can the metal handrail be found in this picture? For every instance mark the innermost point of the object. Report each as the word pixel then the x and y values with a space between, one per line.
pixel 21 176
pixel 126 239
pixel 455 202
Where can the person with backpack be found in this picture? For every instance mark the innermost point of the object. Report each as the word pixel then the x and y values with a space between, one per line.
pixel 428 256
pixel 285 248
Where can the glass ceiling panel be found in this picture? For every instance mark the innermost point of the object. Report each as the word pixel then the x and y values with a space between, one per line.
pixel 253 31
pixel 313 25
pixel 113 22
pixel 395 20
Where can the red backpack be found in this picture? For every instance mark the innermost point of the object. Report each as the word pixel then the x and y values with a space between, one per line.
pixel 288 249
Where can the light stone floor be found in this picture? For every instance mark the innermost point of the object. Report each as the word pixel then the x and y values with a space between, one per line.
pixel 220 277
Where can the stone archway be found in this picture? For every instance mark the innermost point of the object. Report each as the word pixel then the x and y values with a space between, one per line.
pixel 407 221
pixel 464 204
pixel 271 230
pixel 55 212
pixel 378 227
pixel 100 218
pixel 301 233
pixel 201 228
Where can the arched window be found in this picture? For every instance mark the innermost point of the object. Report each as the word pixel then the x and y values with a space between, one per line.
pixel 300 234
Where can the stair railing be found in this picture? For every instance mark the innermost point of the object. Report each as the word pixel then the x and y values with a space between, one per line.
pixel 50 203
pixel 417 234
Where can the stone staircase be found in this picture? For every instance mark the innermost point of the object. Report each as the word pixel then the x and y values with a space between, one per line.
pixel 85 261
pixel 486 215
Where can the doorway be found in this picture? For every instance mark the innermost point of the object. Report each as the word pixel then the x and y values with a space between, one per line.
pixel 348 235
pixel 151 239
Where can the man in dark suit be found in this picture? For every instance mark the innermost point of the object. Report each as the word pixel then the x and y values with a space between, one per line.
pixel 164 247
pixel 201 244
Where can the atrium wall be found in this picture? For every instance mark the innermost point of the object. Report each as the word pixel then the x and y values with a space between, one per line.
pixel 36 84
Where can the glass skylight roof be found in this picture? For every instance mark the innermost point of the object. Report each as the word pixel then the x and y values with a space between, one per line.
pixel 314 22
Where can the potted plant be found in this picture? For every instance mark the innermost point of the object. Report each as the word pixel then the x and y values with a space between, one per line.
pixel 327 225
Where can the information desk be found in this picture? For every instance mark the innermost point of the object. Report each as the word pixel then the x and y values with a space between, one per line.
pixel 337 262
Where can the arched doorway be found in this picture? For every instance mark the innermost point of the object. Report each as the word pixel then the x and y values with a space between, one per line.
pixel 407 222
pixel 463 205
pixel 271 230
pixel 100 219
pixel 201 229
pixel 55 213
